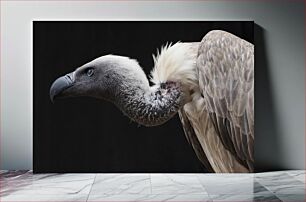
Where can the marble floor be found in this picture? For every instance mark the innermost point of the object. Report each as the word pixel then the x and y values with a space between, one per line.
pixel 269 186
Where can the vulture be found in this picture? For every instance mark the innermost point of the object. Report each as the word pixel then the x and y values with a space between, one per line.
pixel 210 84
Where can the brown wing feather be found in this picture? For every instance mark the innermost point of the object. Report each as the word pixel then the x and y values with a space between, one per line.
pixel 193 140
pixel 226 79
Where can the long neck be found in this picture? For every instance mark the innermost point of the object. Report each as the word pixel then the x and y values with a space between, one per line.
pixel 174 76
pixel 151 106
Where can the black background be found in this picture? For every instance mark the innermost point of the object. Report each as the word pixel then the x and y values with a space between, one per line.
pixel 89 135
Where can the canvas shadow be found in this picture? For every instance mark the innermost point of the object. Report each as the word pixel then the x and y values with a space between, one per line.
pixel 267 144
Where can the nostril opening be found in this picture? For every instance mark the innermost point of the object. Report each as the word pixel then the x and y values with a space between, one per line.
pixel 69 77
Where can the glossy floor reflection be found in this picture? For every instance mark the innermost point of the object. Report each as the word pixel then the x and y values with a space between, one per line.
pixel 271 186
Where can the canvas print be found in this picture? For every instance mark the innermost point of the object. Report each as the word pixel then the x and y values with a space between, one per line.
pixel 206 83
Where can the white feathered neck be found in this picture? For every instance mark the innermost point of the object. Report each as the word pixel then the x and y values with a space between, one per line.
pixel 176 63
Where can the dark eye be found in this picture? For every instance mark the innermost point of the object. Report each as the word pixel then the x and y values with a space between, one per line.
pixel 89 71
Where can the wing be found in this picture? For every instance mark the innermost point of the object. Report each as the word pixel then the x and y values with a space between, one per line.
pixel 225 67
pixel 193 140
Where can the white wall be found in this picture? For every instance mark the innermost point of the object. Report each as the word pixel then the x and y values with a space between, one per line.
pixel 282 26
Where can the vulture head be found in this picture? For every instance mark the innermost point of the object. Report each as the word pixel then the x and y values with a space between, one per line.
pixel 103 78
pixel 122 81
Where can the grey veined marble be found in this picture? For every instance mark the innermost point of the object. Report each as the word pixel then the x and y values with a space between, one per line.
pixel 118 184
pixel 286 186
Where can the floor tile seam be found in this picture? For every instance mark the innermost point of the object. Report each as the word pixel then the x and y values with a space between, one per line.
pixel 91 187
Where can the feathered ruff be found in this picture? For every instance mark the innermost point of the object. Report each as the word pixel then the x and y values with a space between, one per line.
pixel 176 63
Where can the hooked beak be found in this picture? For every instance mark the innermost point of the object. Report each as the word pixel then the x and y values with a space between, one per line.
pixel 60 85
